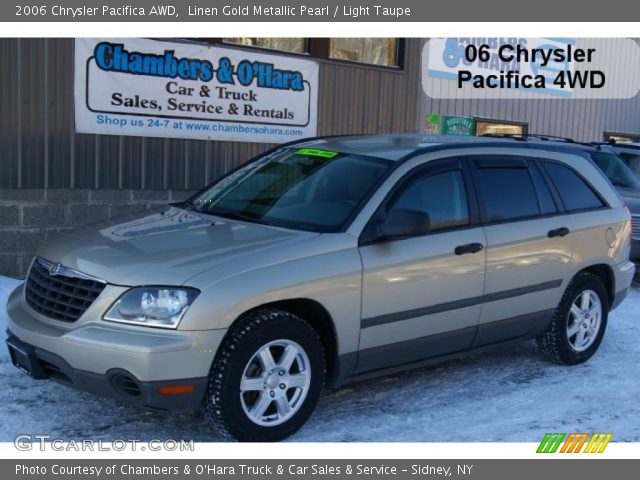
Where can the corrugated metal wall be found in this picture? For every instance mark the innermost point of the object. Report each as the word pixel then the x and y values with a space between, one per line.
pixel 583 120
pixel 40 149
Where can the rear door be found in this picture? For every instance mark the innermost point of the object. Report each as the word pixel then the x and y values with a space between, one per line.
pixel 529 247
pixel 421 295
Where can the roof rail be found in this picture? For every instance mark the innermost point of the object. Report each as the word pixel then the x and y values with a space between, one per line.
pixel 550 138
pixel 512 136
pixel 525 136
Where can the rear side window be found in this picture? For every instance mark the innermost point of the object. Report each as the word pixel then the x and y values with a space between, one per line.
pixel 508 193
pixel 575 193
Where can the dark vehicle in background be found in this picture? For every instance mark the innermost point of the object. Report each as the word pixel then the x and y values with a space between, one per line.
pixel 630 153
pixel 617 162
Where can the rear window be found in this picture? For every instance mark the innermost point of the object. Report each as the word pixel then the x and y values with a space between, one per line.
pixel 575 193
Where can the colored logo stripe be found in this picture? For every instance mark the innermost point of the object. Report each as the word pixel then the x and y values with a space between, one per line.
pixel 550 443
pixel 574 442
pixel 598 443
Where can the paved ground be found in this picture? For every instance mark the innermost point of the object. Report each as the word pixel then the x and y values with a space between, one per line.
pixel 510 394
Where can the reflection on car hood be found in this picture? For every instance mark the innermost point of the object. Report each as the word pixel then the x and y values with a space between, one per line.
pixel 165 247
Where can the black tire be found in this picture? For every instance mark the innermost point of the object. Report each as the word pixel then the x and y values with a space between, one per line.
pixel 554 342
pixel 223 405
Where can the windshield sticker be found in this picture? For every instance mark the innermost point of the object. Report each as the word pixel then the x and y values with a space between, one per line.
pixel 314 152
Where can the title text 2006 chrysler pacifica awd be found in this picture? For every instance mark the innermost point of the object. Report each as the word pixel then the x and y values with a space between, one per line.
pixel 326 261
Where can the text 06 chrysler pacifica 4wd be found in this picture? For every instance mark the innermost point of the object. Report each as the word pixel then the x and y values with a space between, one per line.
pixel 326 261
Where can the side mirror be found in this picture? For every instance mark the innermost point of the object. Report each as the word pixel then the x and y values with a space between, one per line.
pixel 405 223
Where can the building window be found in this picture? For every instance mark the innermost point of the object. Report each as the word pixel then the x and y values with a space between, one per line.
pixel 621 137
pixel 295 45
pixel 374 51
pixel 499 127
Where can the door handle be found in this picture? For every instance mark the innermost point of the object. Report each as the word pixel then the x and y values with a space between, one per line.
pixel 558 232
pixel 468 248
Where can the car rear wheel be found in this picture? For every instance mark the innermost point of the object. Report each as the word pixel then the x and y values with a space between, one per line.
pixel 266 378
pixel 579 323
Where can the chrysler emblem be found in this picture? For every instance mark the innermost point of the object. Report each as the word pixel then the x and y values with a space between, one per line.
pixel 54 269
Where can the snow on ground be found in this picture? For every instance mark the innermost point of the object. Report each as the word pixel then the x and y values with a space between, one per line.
pixel 509 394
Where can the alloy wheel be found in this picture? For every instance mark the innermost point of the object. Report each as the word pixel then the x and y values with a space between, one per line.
pixel 275 382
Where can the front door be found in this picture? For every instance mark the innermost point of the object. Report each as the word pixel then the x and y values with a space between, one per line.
pixel 421 296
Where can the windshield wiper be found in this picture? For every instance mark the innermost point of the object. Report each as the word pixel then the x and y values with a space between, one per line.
pixel 186 205
pixel 235 215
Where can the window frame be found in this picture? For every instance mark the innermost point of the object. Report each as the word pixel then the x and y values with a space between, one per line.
pixel 608 135
pixel 317 49
pixel 524 125
pixel 400 50
pixel 368 235
pixel 305 53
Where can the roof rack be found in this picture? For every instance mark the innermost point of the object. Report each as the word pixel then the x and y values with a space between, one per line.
pixel 525 136
pixel 544 137
pixel 550 138
pixel 513 136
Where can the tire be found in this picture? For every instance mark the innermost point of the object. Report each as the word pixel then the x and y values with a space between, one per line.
pixel 559 343
pixel 258 339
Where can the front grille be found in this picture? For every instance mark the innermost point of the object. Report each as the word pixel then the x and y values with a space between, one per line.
pixel 63 296
pixel 635 226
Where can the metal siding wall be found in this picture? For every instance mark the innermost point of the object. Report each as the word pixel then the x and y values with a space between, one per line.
pixel 60 123
pixel 40 149
pixel 10 130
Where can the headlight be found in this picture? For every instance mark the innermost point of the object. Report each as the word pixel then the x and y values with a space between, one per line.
pixel 161 307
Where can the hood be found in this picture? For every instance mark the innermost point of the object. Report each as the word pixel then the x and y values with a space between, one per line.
pixel 165 247
pixel 631 199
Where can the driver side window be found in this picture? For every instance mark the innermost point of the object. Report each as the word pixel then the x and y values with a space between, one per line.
pixel 440 195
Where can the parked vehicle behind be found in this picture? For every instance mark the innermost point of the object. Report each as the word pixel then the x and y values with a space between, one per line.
pixel 324 262
pixel 617 161
pixel 630 153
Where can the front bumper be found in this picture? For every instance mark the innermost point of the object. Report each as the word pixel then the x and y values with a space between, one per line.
pixel 136 364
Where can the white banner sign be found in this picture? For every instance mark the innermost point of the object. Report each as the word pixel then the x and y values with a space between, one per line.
pixel 183 90
pixel 446 58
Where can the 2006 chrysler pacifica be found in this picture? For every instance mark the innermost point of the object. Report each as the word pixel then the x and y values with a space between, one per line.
pixel 325 261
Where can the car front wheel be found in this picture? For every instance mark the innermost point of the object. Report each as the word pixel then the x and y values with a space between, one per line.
pixel 266 378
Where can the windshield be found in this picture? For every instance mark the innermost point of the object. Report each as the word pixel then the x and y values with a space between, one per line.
pixel 616 170
pixel 306 189
pixel 632 160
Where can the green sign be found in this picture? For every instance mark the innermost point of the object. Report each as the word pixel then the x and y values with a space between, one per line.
pixel 432 124
pixel 315 152
pixel 453 125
